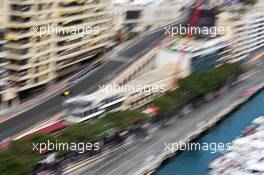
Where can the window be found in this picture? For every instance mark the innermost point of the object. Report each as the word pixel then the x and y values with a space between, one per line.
pixel 112 107
pixel 40 7
pixel 133 14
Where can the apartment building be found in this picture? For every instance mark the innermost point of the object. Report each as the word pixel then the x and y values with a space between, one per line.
pixel 8 95
pixel 198 55
pixel 48 40
pixel 247 30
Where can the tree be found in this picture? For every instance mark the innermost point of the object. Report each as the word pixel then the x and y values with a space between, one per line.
pixel 166 104
pixel 19 158
pixel 195 86
pixel 111 124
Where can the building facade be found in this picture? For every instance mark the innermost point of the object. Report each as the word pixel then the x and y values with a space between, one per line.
pixel 136 94
pixel 8 94
pixel 138 15
pixel 247 30
pixel 195 55
pixel 48 40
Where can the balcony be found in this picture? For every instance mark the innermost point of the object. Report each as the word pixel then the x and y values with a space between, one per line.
pixel 16 67
pixel 83 49
pixel 19 30
pixel 69 12
pixel 20 19
pixel 20 8
pixel 13 36
pixel 37 82
pixel 71 61
pixel 97 10
pixel 66 7
pixel 19 51
pixel 69 51
pixel 2 49
pixel 3 62
pixel 2 35
pixel 69 42
pixel 71 4
pixel 3 85
pixel 19 75
pixel 22 83
pixel 70 23
pixel 18 42
pixel 18 62
pixel 3 54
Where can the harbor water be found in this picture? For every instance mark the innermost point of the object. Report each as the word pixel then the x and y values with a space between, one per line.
pixel 196 162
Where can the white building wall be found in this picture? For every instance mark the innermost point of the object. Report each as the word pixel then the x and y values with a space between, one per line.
pixel 152 15
pixel 182 61
pixel 247 32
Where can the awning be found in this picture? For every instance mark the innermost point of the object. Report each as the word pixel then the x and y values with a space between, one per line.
pixel 50 129
pixel 81 1
pixel 12 37
pixel 67 22
pixel 151 111
pixel 70 1
pixel 5 144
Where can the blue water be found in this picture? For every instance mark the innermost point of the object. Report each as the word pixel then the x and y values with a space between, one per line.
pixel 196 162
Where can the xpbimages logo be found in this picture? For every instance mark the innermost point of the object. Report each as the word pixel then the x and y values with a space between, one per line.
pixel 191 146
pixel 139 88
pixel 80 147
pixel 80 31
pixel 190 30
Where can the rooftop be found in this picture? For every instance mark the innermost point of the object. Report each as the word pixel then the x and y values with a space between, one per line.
pixel 137 2
pixel 114 88
pixel 197 45
pixel 154 76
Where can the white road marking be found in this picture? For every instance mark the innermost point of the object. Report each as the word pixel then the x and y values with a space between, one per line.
pixel 122 59
pixel 139 154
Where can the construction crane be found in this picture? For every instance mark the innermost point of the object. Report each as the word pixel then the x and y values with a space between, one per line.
pixel 194 20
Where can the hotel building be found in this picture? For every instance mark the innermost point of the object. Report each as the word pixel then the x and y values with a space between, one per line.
pixel 48 40
pixel 8 94
pixel 195 55
pixel 247 30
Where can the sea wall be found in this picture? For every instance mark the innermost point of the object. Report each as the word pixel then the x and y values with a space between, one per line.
pixel 200 129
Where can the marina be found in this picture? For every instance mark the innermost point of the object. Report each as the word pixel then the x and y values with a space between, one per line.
pixel 246 155
pixel 225 132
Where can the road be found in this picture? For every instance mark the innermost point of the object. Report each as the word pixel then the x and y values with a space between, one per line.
pixel 129 159
pixel 108 70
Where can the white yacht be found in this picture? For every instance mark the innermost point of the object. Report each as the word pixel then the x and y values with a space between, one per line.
pixel 246 156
